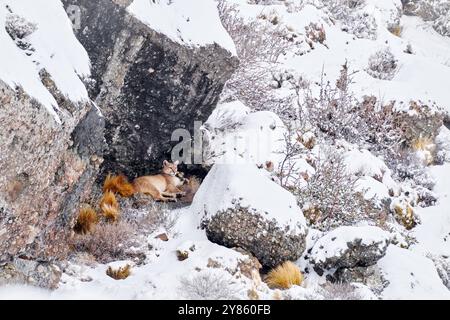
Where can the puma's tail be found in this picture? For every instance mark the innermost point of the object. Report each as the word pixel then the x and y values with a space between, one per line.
pixel 118 184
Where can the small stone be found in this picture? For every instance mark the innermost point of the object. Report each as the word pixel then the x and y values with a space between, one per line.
pixel 182 255
pixel 162 237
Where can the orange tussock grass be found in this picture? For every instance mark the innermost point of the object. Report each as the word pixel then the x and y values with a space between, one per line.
pixel 110 206
pixel 284 276
pixel 119 274
pixel 86 221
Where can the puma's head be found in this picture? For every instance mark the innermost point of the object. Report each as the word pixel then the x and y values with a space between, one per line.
pixel 170 168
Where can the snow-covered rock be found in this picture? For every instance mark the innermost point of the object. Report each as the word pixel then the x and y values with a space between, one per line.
pixel 240 207
pixel 348 247
pixel 190 22
pixel 31 43
pixel 235 135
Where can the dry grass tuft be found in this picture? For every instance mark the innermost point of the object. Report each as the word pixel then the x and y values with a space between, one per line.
pixel 396 30
pixel 284 276
pixel 405 216
pixel 118 184
pixel 86 221
pixel 109 206
pixel 423 144
pixel 119 274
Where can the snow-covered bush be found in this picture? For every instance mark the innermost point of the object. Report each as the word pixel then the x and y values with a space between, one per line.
pixel 208 285
pixel 382 65
pixel 436 11
pixel 339 291
pixel 19 28
pixel 354 21
pixel 147 215
pixel 442 24
pixel 442 266
pixel 360 24
pixel 407 166
pixel 330 200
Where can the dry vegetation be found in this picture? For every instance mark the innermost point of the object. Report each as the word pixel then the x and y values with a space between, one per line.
pixel 119 274
pixel 284 276
pixel 109 206
pixel 107 242
pixel 86 221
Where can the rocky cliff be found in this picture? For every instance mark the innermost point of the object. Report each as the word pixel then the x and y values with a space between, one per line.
pixel 146 83
pixel 58 108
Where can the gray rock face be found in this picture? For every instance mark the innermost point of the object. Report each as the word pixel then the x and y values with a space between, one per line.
pixel 46 171
pixel 238 227
pixel 22 271
pixel 349 247
pixel 145 84
pixel 370 276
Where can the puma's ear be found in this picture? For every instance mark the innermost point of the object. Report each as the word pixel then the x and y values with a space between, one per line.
pixel 176 162
pixel 165 163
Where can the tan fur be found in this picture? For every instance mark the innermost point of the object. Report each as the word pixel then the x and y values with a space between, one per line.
pixel 163 186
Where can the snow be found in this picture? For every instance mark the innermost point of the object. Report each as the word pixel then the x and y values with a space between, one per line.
pixel 410 276
pixel 56 50
pixel 189 22
pixel 238 136
pixel 373 189
pixel 421 76
pixel 226 185
pixel 335 242
pixel 362 162
pixel 433 234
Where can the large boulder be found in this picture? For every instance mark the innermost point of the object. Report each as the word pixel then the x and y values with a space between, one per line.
pixel 349 247
pixel 152 77
pixel 51 137
pixel 239 206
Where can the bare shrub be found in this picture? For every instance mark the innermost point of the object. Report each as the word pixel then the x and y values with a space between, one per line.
pixel 149 216
pixel 340 291
pixel 329 200
pixel 208 285
pixel 335 112
pixel 287 172
pixel 108 242
pixel 259 44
